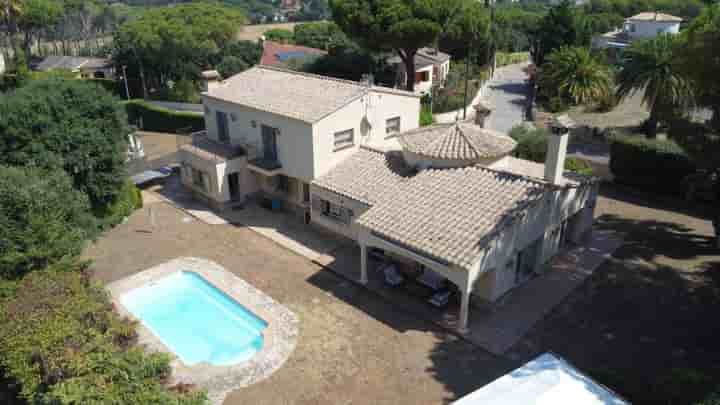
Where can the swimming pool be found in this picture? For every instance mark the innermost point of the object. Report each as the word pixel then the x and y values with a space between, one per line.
pixel 196 320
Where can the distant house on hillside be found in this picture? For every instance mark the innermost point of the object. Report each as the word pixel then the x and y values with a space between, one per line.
pixel 640 26
pixel 431 69
pixel 96 68
pixel 280 55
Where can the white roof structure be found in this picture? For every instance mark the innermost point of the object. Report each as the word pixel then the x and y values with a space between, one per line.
pixel 546 380
pixel 655 16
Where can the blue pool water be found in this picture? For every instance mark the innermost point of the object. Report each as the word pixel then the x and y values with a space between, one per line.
pixel 196 320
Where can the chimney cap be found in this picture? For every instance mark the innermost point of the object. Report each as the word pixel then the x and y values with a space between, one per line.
pixel 562 124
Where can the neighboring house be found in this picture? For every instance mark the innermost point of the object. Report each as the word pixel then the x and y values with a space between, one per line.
pixel 453 201
pixel 96 68
pixel 271 132
pixel 280 55
pixel 548 379
pixel 431 69
pixel 290 5
pixel 640 26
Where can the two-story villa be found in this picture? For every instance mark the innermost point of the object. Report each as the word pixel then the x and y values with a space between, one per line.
pixel 640 26
pixel 270 132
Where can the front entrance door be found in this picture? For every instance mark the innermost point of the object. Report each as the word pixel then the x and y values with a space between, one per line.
pixel 234 186
pixel 269 140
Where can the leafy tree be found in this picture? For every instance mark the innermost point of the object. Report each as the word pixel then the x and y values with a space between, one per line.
pixel 174 43
pixel 400 26
pixel 232 65
pixel 650 67
pixel 279 35
pixel 562 26
pixel 43 218
pixel 698 59
pixel 574 74
pixel 248 51
pixel 37 15
pixel 68 124
pixel 321 34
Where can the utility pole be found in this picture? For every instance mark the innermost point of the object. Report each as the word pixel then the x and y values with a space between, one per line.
pixel 127 90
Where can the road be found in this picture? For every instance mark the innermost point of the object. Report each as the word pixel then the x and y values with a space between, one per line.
pixel 506 93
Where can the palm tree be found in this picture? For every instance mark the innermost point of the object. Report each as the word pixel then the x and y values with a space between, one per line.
pixel 649 66
pixel 573 73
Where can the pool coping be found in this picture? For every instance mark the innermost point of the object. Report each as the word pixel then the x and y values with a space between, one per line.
pixel 280 336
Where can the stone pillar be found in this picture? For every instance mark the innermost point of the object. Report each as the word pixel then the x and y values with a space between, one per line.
pixel 363 264
pixel 464 311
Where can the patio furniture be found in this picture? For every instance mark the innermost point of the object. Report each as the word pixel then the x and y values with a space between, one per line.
pixel 431 279
pixel 392 277
pixel 440 299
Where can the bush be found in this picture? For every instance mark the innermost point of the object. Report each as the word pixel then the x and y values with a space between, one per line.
pixel 279 35
pixel 43 219
pixel 557 104
pixel 652 165
pixel 70 124
pixel 63 344
pixel 511 58
pixel 532 145
pixel 128 200
pixel 426 116
pixel 159 119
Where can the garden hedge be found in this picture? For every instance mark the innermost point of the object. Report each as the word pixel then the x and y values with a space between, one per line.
pixel 152 118
pixel 653 165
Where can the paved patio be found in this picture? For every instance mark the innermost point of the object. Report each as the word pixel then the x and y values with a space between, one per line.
pixel 495 328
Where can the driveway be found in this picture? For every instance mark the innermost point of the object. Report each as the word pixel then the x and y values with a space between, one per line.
pixel 506 92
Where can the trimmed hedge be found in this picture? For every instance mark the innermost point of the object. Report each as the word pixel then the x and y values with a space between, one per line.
pixel 128 200
pixel 653 165
pixel 152 118
pixel 62 343
pixel 532 145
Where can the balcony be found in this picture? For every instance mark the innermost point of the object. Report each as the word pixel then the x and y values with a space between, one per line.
pixel 264 166
pixel 206 148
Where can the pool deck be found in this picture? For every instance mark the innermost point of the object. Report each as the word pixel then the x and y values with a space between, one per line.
pixel 280 336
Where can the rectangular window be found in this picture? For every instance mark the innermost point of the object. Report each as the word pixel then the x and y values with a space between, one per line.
pixel 344 139
pixel 269 140
pixel 392 125
pixel 283 183
pixel 335 211
pixel 199 178
pixel 222 126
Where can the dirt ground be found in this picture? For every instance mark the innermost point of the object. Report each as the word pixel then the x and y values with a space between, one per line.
pixel 253 32
pixel 353 348
pixel 650 311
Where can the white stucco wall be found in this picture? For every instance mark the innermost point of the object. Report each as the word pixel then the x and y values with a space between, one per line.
pixel 348 230
pixel 377 107
pixel 294 144
pixel 650 29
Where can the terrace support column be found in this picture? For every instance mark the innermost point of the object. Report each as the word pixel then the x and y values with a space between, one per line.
pixel 363 264
pixel 464 311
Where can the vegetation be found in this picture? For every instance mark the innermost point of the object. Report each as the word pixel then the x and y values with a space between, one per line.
pixel 279 35
pixel 511 58
pixel 650 68
pixel 653 165
pixel 43 217
pixel 153 118
pixel 426 116
pixel 573 74
pixel 70 125
pixel 563 25
pixel 171 44
pixel 451 97
pixel 532 145
pixel 62 342
pixel 321 35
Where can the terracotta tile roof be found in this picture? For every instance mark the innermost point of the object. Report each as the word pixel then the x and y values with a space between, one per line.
pixel 451 214
pixel 274 53
pixel 302 96
pixel 655 16
pixel 457 141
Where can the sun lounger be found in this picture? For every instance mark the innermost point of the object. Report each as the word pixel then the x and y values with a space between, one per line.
pixel 392 277
pixel 440 299
pixel 431 279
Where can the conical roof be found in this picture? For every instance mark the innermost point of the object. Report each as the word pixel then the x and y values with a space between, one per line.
pixel 457 141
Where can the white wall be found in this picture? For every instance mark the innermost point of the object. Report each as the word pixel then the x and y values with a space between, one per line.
pixel 351 230
pixel 650 29
pixel 377 106
pixel 295 143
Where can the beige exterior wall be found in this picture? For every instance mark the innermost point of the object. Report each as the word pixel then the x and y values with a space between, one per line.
pixel 295 143
pixel 350 230
pixel 376 107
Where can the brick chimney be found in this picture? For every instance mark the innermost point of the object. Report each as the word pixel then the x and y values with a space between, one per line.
pixel 557 148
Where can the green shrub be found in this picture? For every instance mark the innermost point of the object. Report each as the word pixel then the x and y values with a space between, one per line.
pixel 159 119
pixel 652 165
pixel 62 343
pixel 532 145
pixel 556 104
pixel 511 58
pixel 43 219
pixel 128 200
pixel 426 116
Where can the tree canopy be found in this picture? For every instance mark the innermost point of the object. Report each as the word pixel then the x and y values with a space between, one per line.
pixel 174 43
pixel 67 124
pixel 401 26
pixel 562 25
pixel 574 74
